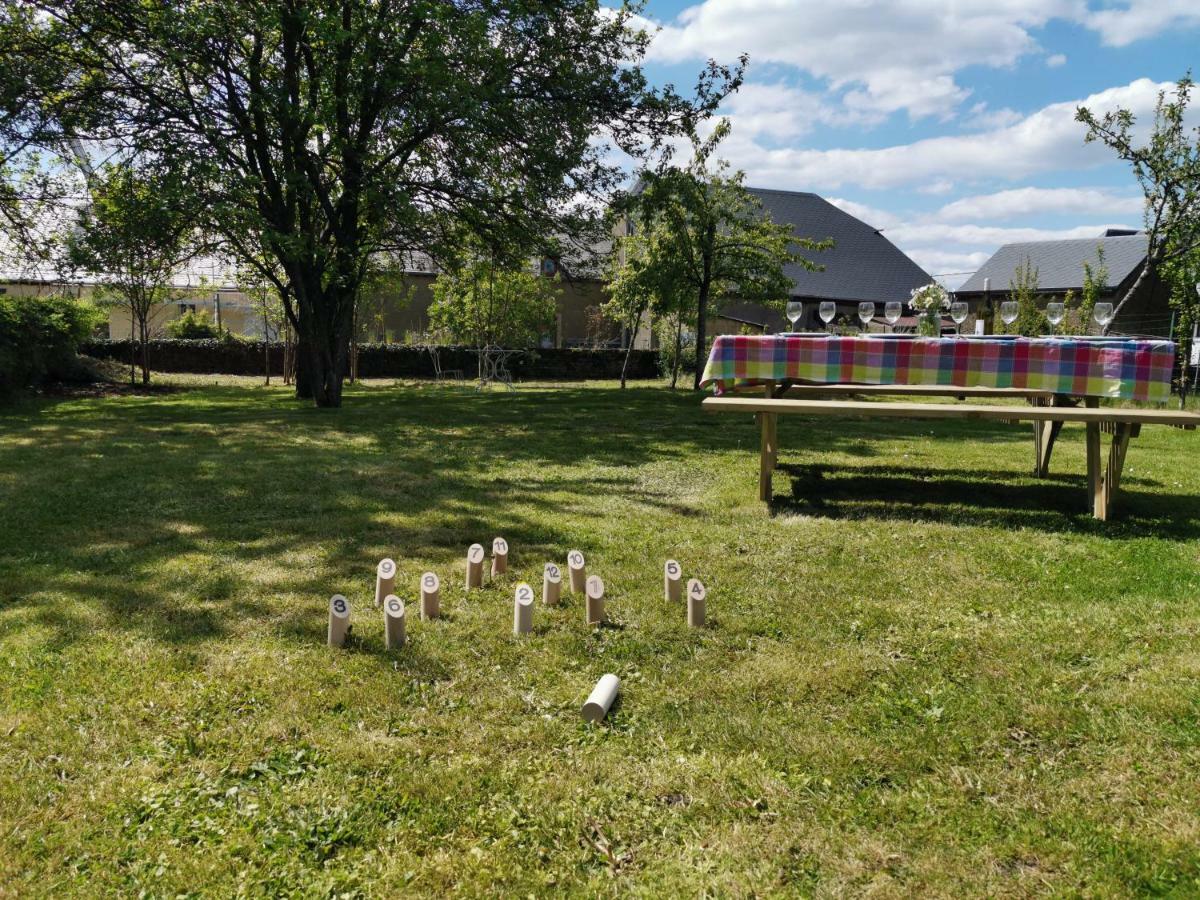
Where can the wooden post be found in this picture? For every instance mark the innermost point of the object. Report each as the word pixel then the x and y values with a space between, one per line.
pixel 766 454
pixel 499 556
pixel 1095 478
pixel 696 597
pixel 339 620
pixel 595 600
pixel 523 609
pixel 551 585
pixel 577 567
pixel 672 581
pixel 385 580
pixel 475 566
pixel 600 700
pixel 393 622
pixel 431 596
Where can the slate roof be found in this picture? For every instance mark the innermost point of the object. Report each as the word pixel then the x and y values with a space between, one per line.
pixel 863 264
pixel 1060 263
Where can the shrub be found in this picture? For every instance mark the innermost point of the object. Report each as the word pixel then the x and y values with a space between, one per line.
pixel 193 326
pixel 40 337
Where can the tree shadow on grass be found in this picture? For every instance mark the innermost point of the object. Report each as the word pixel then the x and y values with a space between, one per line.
pixel 1058 503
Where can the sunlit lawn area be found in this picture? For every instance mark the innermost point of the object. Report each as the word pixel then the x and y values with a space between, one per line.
pixel 927 673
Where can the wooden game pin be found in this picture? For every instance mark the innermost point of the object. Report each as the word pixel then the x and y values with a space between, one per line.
pixel 672 581
pixel 339 620
pixel 385 580
pixel 695 601
pixel 523 609
pixel 475 566
pixel 600 700
pixel 499 556
pixel 578 571
pixel 393 622
pixel 552 585
pixel 430 596
pixel 595 600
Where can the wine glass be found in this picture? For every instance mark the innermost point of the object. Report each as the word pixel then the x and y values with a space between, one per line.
pixel 1008 312
pixel 795 309
pixel 1103 314
pixel 828 311
pixel 892 310
pixel 866 312
pixel 958 312
pixel 1055 313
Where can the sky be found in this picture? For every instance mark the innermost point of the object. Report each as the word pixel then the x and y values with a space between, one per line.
pixel 948 124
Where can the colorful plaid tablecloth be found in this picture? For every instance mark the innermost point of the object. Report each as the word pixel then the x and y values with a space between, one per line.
pixel 1127 369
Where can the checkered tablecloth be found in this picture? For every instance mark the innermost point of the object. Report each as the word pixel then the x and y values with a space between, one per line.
pixel 1127 369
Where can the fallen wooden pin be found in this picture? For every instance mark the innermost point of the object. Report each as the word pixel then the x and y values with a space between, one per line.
pixel 577 569
pixel 385 580
pixel 552 585
pixel 475 566
pixel 523 609
pixel 696 596
pixel 393 622
pixel 430 596
pixel 600 700
pixel 499 556
pixel 672 576
pixel 595 600
pixel 339 620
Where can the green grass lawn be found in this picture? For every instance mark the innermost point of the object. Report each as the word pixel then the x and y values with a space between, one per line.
pixel 927 673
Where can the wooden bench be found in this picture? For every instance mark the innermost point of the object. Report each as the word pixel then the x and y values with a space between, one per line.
pixel 1122 424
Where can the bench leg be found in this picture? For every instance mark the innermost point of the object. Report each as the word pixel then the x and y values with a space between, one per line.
pixel 767 423
pixel 1103 485
pixel 1044 436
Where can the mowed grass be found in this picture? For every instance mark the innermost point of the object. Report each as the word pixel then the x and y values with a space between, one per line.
pixel 927 673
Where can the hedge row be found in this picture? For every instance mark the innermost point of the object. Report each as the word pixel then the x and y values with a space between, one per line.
pixel 39 337
pixel 380 360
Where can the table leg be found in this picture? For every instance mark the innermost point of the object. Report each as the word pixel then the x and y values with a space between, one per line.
pixel 766 460
pixel 1095 478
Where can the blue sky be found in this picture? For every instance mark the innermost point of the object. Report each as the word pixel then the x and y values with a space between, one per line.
pixel 948 123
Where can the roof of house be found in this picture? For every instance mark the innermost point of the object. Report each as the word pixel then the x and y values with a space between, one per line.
pixel 1059 264
pixel 863 264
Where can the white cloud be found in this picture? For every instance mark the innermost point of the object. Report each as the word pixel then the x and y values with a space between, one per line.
pixel 1058 59
pixel 1123 23
pixel 1047 140
pixel 1030 201
pixel 922 233
pixel 783 112
pixel 880 218
pixel 887 55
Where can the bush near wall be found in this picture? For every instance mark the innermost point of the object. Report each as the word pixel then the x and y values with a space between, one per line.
pixel 381 360
pixel 40 337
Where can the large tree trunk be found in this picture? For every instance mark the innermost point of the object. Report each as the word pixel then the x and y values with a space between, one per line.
pixel 701 331
pixel 325 324
pixel 304 376
pixel 675 360
pixel 144 331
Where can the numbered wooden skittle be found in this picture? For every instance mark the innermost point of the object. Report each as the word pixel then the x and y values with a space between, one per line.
pixel 600 701
pixel 595 600
pixel 577 569
pixel 523 609
pixel 431 588
pixel 475 566
pixel 672 581
pixel 339 620
pixel 393 622
pixel 552 585
pixel 696 595
pixel 499 556
pixel 385 580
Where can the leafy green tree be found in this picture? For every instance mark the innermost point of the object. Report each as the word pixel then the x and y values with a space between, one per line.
pixel 1167 166
pixel 138 230
pixel 1182 273
pixel 333 130
pixel 484 302
pixel 193 326
pixel 715 237
pixel 1023 288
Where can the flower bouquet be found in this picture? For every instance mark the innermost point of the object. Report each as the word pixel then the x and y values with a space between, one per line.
pixel 928 302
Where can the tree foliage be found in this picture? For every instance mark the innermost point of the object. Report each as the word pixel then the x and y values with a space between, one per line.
pixel 483 302
pixel 712 235
pixel 138 230
pixel 328 131
pixel 1167 166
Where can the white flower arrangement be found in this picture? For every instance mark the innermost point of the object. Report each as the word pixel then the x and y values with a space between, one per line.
pixel 927 299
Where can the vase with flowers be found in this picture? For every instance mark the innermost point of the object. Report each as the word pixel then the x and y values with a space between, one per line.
pixel 928 302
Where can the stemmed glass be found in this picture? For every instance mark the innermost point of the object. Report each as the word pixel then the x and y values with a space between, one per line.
pixel 1055 313
pixel 958 312
pixel 1008 312
pixel 795 309
pixel 892 310
pixel 1103 314
pixel 866 312
pixel 827 311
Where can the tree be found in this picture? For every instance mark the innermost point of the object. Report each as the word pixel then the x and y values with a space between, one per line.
pixel 1182 273
pixel 133 237
pixel 1023 290
pixel 333 130
pixel 716 236
pixel 482 302
pixel 1167 167
pixel 644 278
